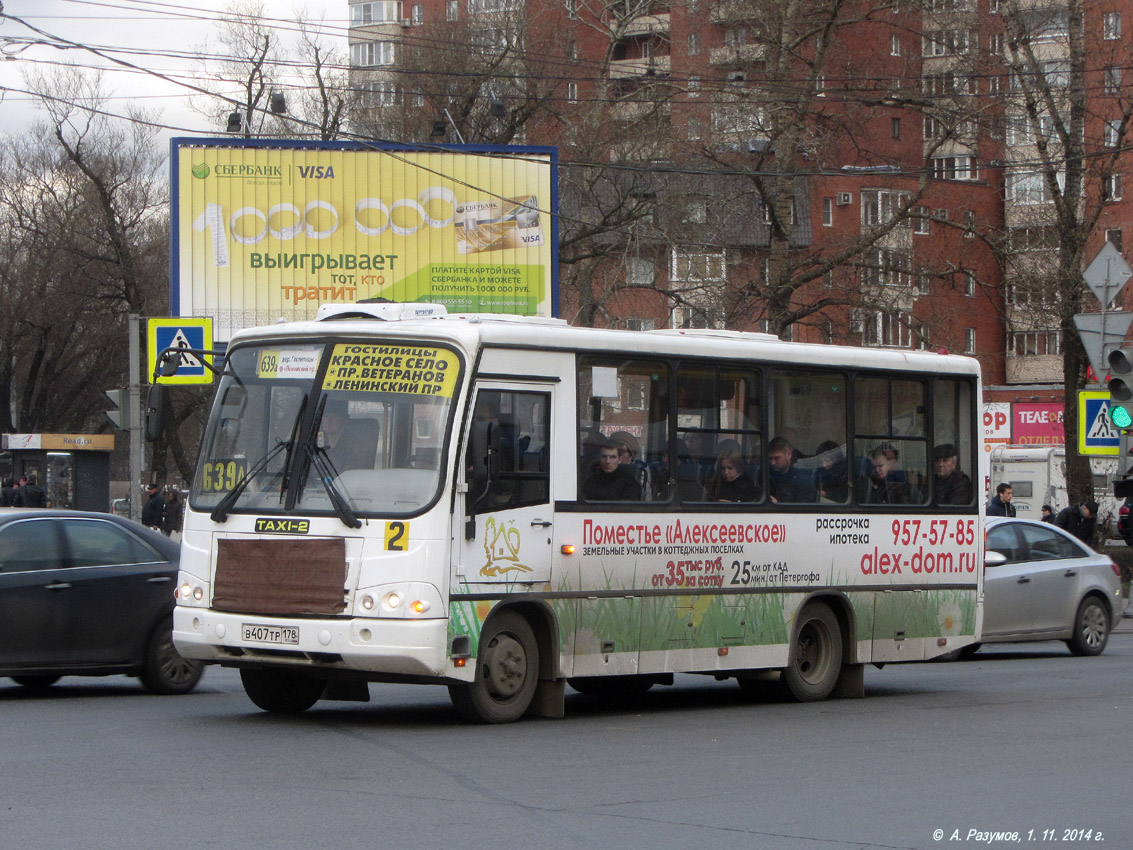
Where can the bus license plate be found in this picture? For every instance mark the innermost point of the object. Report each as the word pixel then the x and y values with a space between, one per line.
pixel 269 634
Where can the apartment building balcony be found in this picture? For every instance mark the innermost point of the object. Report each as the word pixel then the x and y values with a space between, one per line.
pixel 744 54
pixel 732 11
pixel 648 25
pixel 640 110
pixel 1033 368
pixel 640 66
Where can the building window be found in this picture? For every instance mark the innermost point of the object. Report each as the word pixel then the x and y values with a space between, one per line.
pixel 452 10
pixel 995 44
pixel 370 53
pixel 693 43
pixel 921 220
pixel 378 93
pixel 385 12
pixel 696 213
pixel 924 283
pixel 572 9
pixel 969 340
pixel 639 271
pixel 572 92
pixel 1112 80
pixel 940 214
pixel 640 324
pixel 1035 343
pixel 895 127
pixel 1112 133
pixel 1111 26
pixel 993 7
pixel 1111 188
pixel 696 267
pixel 969 224
pixel 969 283
pixel 895 45
pixel 694 86
pixel 954 167
pixel 881 206
pixel 735 37
pixel 694 131
pixel 888 329
pixel 418 14
pixel 827 212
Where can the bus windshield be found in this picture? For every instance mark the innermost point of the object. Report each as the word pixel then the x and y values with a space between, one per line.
pixel 312 428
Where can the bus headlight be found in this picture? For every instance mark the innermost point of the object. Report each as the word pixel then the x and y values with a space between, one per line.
pixel 401 600
pixel 189 592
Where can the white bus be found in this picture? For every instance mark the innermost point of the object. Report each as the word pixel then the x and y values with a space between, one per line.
pixel 506 505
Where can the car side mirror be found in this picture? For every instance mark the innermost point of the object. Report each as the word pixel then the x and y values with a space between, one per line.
pixel 994 559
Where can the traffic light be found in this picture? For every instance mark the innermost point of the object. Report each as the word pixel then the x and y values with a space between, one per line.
pixel 121 416
pixel 1121 387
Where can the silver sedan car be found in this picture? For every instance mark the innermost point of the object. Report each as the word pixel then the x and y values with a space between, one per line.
pixel 1041 583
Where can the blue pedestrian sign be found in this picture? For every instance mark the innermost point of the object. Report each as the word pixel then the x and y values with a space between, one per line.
pixel 1096 433
pixel 185 333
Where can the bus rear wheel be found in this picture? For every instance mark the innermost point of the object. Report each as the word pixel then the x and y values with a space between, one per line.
pixel 507 671
pixel 816 655
pixel 281 691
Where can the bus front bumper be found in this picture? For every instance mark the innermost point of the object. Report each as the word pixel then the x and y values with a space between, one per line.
pixel 409 648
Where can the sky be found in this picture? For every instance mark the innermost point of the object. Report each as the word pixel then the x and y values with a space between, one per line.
pixel 156 35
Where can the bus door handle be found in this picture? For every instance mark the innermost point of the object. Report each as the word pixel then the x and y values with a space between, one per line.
pixel 541 523
pixel 1024 580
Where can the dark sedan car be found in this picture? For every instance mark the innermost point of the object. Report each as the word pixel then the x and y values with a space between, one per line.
pixel 88 594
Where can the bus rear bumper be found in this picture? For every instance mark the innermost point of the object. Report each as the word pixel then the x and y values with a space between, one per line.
pixel 409 648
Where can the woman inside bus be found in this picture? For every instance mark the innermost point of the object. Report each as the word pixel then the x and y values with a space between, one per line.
pixel 730 483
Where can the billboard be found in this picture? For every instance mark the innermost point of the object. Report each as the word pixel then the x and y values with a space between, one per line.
pixel 263 230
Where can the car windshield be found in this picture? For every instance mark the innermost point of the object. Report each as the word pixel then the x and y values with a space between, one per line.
pixel 327 427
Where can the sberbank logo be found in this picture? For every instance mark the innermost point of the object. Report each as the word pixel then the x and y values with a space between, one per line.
pixel 201 170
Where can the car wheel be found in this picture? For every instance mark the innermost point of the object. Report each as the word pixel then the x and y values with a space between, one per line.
pixel 507 671
pixel 166 671
pixel 36 683
pixel 282 691
pixel 1091 628
pixel 816 655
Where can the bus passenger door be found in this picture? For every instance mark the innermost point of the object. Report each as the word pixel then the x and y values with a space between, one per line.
pixel 505 516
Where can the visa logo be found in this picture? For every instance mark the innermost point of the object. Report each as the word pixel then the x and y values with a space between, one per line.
pixel 316 172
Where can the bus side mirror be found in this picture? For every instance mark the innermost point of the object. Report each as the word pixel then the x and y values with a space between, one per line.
pixel 156 403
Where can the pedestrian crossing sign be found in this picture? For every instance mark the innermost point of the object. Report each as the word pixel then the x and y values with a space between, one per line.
pixel 1097 435
pixel 186 333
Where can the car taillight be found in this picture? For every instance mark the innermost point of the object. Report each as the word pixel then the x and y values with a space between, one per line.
pixel 1116 569
pixel 1123 510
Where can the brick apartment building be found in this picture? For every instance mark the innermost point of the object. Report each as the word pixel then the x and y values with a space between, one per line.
pixel 875 180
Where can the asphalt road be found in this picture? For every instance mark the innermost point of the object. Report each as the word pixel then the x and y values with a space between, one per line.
pixel 1024 738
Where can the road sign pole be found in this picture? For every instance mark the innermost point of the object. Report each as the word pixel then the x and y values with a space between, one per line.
pixel 137 445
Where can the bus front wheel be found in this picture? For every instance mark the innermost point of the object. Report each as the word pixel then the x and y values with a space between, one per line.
pixel 816 655
pixel 507 671
pixel 281 691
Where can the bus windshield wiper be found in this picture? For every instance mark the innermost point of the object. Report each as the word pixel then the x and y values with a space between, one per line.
pixel 220 512
pixel 316 456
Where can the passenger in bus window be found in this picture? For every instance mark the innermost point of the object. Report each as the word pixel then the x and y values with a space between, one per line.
pixel 950 486
pixel 629 456
pixel 787 483
pixel 831 477
pixel 610 482
pixel 882 489
pixel 730 482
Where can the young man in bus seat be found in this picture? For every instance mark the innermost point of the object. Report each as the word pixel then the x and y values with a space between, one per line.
pixel 611 482
pixel 880 488
pixel 629 456
pixel 351 445
pixel 950 486
pixel 1000 504
pixel 788 483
